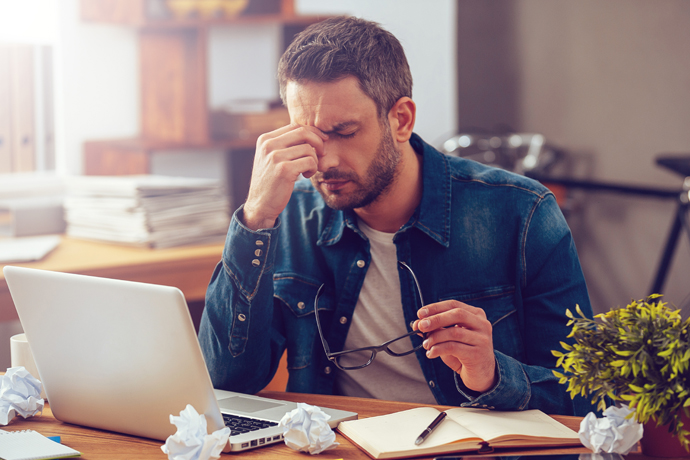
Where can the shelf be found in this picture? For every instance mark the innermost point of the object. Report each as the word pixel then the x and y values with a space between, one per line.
pixel 153 145
pixel 221 22
pixel 153 14
pixel 173 78
pixel 133 156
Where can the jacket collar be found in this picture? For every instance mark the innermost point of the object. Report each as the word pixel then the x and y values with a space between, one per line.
pixel 432 216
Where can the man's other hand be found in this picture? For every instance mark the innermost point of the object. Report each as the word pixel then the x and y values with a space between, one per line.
pixel 281 156
pixel 461 336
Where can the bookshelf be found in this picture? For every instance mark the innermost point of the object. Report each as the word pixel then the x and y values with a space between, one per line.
pixel 173 79
pixel 26 98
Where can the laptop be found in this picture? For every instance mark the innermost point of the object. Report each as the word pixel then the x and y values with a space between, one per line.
pixel 124 356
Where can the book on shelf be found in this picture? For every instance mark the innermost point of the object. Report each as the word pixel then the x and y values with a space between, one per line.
pixel 393 436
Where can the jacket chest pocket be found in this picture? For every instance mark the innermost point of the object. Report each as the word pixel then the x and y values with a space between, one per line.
pixel 296 295
pixel 500 310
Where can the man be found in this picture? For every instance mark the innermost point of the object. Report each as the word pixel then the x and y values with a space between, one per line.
pixel 493 257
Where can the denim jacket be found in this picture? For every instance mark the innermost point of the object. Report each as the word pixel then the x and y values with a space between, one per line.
pixel 481 235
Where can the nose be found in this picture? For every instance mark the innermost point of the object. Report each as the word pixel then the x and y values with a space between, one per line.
pixel 329 158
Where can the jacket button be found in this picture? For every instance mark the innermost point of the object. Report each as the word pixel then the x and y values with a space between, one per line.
pixel 343 320
pixel 361 263
pixel 327 370
pixel 242 317
pixel 259 243
pixel 432 384
pixel 256 262
pixel 301 305
pixel 258 253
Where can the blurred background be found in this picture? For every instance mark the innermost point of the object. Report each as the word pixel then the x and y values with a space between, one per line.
pixel 118 87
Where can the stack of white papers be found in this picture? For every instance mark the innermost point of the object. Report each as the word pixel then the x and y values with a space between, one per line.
pixel 27 248
pixel 147 210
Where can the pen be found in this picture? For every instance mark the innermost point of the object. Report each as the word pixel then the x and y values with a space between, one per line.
pixel 437 421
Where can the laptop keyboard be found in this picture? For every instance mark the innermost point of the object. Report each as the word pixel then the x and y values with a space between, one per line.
pixel 241 425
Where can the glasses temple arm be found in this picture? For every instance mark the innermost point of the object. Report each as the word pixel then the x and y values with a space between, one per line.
pixel 414 277
pixel 318 323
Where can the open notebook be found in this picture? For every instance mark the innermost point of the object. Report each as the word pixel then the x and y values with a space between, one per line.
pixel 31 445
pixel 463 430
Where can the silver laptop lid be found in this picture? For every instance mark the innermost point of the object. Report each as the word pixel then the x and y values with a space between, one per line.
pixel 115 355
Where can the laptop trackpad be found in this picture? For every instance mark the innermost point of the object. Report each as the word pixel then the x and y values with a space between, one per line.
pixel 248 405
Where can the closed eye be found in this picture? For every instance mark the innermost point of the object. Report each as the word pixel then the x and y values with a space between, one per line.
pixel 346 136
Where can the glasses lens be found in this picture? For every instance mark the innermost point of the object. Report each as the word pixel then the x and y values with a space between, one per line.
pixel 402 346
pixel 355 359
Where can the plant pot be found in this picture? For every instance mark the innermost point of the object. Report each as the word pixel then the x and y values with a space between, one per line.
pixel 657 441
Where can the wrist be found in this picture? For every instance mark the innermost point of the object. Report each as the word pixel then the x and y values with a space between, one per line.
pixel 254 221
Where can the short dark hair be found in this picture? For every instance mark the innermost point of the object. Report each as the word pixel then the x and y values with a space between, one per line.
pixel 341 46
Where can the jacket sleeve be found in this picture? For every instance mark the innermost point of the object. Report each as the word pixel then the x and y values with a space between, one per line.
pixel 240 309
pixel 551 281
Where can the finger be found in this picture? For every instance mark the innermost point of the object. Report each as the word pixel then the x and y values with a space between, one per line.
pixel 454 317
pixel 301 159
pixel 463 337
pixel 446 305
pixel 307 166
pixel 458 350
pixel 290 136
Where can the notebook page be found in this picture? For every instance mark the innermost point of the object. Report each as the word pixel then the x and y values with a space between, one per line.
pixel 493 424
pixel 397 432
pixel 31 445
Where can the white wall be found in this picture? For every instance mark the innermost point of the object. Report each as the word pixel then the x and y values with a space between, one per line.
pixel 29 21
pixel 234 70
pixel 97 88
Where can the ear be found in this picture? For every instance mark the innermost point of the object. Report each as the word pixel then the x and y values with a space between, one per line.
pixel 401 118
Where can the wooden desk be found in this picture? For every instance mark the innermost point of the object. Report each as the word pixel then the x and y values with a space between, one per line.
pixel 97 444
pixel 188 267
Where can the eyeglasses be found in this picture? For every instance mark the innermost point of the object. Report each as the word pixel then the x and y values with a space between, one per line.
pixel 361 357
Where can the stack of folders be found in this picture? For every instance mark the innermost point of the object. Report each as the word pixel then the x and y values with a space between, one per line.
pixel 146 210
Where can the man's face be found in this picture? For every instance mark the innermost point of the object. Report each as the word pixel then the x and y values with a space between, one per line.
pixel 360 159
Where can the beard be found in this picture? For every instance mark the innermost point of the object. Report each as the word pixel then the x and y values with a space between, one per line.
pixel 380 175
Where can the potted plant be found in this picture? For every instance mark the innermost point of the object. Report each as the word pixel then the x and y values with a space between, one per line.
pixel 638 355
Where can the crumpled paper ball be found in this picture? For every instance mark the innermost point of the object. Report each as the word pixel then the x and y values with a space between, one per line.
pixel 614 433
pixel 192 441
pixel 600 456
pixel 20 393
pixel 306 429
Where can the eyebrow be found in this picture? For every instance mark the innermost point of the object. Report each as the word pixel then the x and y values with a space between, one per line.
pixel 341 126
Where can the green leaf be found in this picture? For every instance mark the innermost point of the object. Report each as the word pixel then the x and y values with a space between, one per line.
pixel 666 353
pixel 624 352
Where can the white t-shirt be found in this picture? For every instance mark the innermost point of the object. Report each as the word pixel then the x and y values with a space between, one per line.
pixel 377 318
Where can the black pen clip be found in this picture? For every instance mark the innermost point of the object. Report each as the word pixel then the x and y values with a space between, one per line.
pixel 485 449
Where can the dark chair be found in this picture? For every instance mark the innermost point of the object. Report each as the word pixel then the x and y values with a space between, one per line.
pixel 679 164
